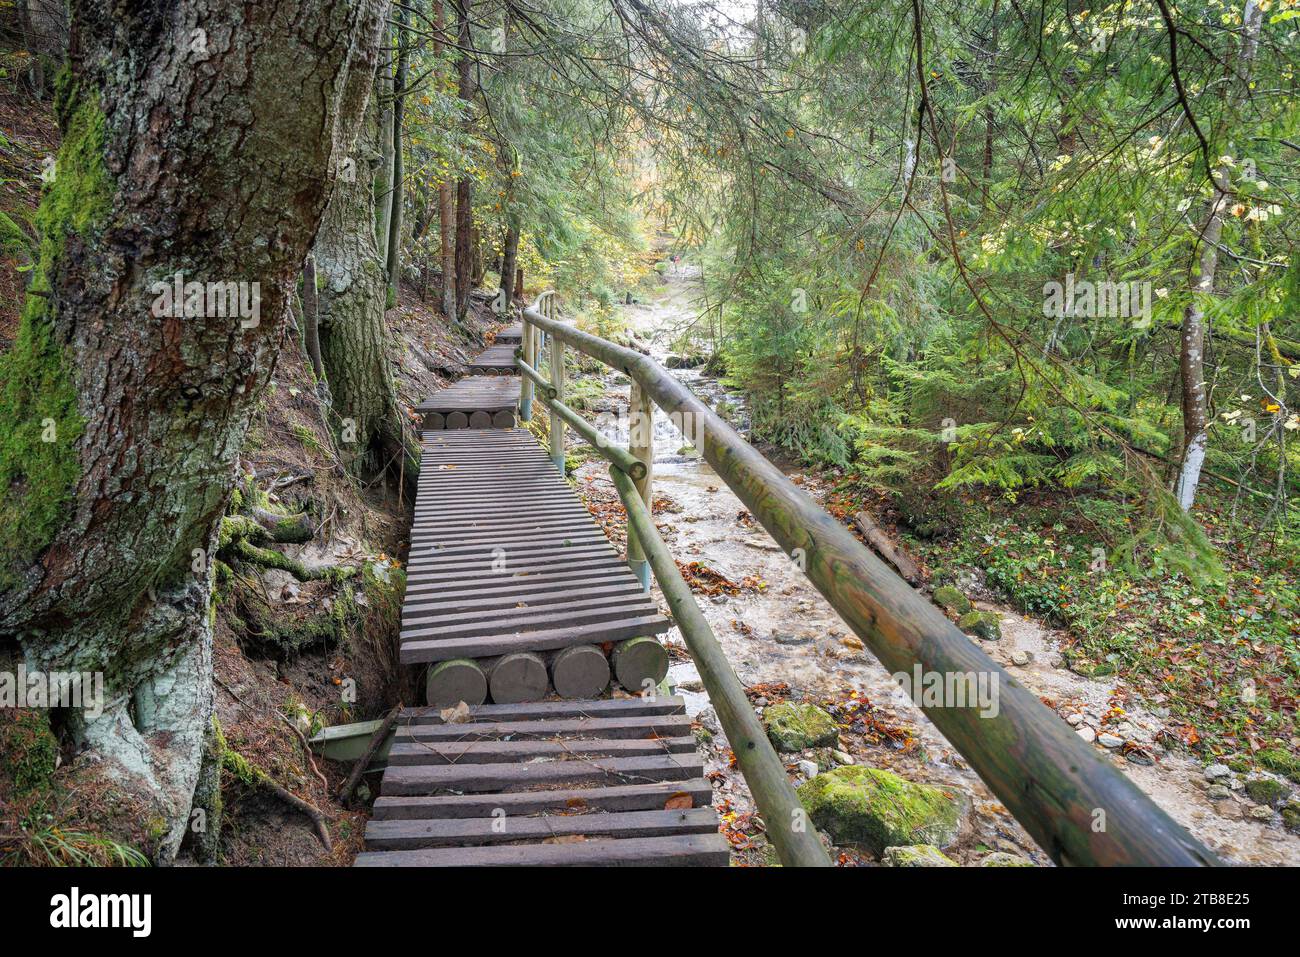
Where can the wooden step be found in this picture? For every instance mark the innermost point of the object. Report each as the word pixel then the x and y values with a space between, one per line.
pixel 677 851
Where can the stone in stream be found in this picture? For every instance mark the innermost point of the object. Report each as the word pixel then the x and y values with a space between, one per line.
pixel 1003 859
pixel 952 599
pixel 878 809
pixel 981 624
pixel 917 855
pixel 793 727
pixel 1264 789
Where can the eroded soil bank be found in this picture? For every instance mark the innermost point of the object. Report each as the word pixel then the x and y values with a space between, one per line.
pixel 786 642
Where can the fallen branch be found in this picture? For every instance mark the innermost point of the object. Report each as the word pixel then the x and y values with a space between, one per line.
pixel 376 740
pixel 887 548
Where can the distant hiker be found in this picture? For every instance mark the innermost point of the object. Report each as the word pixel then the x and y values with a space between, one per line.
pixel 675 258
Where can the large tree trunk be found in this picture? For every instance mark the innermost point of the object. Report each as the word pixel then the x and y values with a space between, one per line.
pixel 123 420
pixel 394 251
pixel 352 301
pixel 1191 359
pixel 464 187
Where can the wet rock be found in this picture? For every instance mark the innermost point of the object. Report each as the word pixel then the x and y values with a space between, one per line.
pixel 1003 859
pixel 878 809
pixel 917 855
pixel 1265 789
pixel 787 638
pixel 981 624
pixel 793 727
pixel 1216 771
pixel 950 598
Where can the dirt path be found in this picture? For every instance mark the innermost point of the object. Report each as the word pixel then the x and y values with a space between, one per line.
pixel 778 629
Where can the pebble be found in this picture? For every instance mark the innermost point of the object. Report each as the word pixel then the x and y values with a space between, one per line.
pixel 1261 812
pixel 785 638
pixel 1087 734
pixel 843 757
pixel 1216 771
pixel 1020 658
pixel 808 768
pixel 1074 720
pixel 1107 740
pixel 1217 792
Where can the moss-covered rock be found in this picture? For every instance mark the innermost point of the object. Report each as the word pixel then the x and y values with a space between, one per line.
pixel 1003 859
pixel 28 750
pixel 1267 790
pixel 1281 762
pixel 918 855
pixel 793 727
pixel 861 805
pixel 952 599
pixel 981 624
pixel 1291 816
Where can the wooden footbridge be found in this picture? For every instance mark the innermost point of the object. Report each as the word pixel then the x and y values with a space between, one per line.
pixel 548 737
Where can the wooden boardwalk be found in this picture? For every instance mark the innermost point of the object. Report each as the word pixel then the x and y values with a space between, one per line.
pixel 495 360
pixel 515 597
pixel 476 401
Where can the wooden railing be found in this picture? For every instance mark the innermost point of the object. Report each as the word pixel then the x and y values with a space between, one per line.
pixel 1078 808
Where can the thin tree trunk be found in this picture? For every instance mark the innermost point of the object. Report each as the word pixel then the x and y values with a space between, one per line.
pixel 123 411
pixel 311 318
pixel 394 252
pixel 383 183
pixel 464 187
pixel 1191 359
pixel 446 204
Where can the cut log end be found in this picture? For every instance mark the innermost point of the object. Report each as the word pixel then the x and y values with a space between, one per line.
pixel 503 420
pixel 451 682
pixel 457 420
pixel 640 663
pixel 581 671
pixel 518 677
pixel 434 422
pixel 480 420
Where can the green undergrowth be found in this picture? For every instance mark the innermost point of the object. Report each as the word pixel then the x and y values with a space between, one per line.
pixel 1221 653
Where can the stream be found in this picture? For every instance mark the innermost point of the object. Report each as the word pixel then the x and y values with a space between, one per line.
pixel 778 629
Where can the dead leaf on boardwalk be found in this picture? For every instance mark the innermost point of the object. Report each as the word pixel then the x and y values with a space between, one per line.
pixel 456 715
pixel 680 801
pixel 575 803
pixel 566 839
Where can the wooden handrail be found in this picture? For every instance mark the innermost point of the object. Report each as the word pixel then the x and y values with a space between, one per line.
pixel 1076 806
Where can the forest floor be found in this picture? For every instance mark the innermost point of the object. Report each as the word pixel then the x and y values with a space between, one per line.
pixel 786 642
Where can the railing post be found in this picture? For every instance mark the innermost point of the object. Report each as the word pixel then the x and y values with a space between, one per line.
pixel 557 423
pixel 526 395
pixel 640 442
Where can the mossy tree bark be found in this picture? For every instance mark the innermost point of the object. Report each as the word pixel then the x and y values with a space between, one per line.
pixel 121 422
pixel 464 186
pixel 351 303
